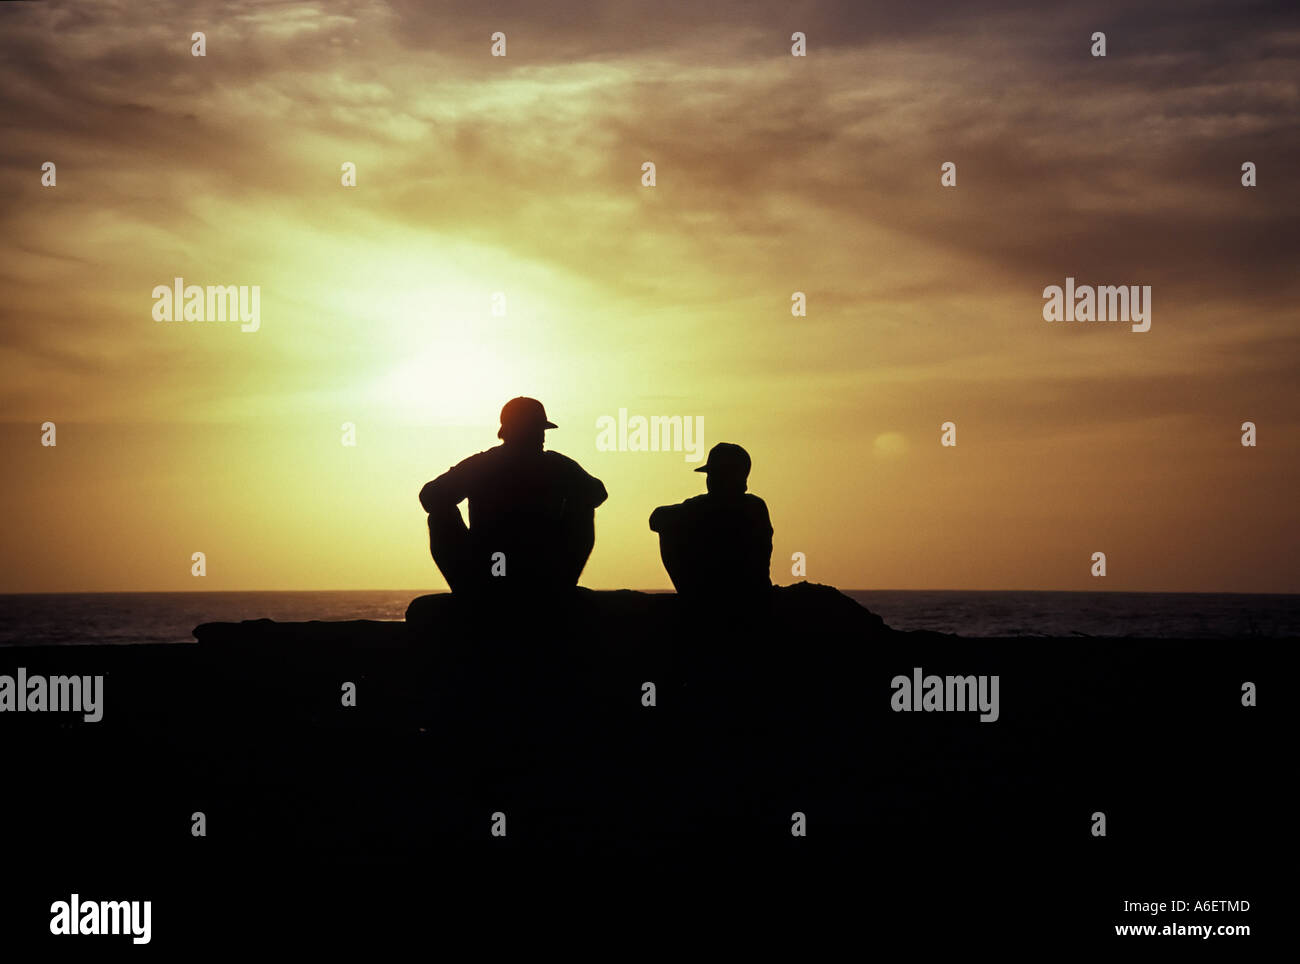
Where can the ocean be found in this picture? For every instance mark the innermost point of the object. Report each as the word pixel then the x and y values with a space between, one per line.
pixel 127 618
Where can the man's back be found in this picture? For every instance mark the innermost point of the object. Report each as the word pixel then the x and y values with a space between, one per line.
pixel 508 488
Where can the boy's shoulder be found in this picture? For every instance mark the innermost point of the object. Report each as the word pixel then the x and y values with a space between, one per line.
pixel 747 500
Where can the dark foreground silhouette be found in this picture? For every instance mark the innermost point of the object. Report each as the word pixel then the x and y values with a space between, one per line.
pixel 543 715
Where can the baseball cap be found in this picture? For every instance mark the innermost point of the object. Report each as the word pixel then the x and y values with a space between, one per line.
pixel 727 457
pixel 525 413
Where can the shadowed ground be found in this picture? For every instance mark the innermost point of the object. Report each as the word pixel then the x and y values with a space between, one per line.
pixel 536 710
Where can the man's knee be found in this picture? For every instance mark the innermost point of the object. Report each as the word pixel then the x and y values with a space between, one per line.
pixel 577 540
pixel 447 520
pixel 449 545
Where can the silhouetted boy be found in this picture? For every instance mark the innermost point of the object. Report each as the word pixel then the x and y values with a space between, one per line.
pixel 719 543
pixel 538 508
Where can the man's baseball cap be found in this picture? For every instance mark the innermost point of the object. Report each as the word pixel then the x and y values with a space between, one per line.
pixel 727 458
pixel 524 413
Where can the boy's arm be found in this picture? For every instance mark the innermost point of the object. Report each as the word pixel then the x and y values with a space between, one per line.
pixel 763 539
pixel 663 517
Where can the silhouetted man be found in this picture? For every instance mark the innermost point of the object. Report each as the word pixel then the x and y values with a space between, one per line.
pixel 719 543
pixel 537 508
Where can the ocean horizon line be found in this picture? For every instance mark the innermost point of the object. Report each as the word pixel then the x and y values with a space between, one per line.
pixel 426 592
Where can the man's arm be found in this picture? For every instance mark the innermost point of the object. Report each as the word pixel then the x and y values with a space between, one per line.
pixel 448 489
pixel 583 489
pixel 596 494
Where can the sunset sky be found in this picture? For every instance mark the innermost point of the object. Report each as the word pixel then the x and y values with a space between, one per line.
pixel 522 174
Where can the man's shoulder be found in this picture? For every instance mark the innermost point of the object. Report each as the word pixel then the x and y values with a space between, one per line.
pixel 478 459
pixel 565 466
pixel 561 461
pixel 575 479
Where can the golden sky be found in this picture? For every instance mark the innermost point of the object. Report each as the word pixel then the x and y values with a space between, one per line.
pixel 522 174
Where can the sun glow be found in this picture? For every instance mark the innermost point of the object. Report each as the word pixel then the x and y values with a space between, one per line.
pixel 456 380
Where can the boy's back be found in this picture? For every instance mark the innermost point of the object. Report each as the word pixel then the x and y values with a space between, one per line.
pixel 716 543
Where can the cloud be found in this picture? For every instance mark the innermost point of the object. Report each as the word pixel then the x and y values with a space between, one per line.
pixel 775 174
